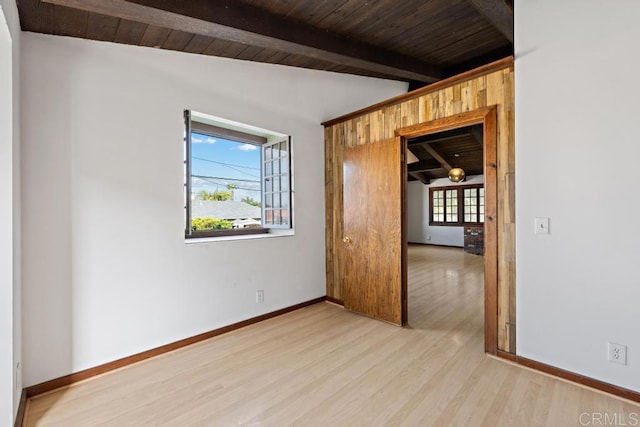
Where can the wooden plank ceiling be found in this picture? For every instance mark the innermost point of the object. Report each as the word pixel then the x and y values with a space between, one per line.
pixel 438 153
pixel 418 41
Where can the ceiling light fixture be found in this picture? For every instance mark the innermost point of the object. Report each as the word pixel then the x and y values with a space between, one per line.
pixel 456 174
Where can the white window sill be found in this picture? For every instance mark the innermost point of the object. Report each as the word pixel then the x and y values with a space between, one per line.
pixel 272 233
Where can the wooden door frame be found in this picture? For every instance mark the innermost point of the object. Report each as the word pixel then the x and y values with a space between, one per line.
pixel 488 117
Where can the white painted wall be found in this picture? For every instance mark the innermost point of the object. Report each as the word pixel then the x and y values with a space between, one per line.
pixel 577 67
pixel 10 314
pixel 6 226
pixel 107 273
pixel 419 230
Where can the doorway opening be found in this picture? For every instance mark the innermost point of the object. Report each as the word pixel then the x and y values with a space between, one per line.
pixel 447 212
pixel 453 205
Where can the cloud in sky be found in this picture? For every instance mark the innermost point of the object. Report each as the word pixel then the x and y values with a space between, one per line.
pixel 201 139
pixel 247 147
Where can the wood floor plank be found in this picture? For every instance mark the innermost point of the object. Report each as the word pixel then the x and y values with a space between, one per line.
pixel 322 365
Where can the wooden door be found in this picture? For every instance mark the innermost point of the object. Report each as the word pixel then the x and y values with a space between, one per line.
pixel 374 250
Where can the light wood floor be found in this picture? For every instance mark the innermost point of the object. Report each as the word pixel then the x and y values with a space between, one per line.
pixel 325 366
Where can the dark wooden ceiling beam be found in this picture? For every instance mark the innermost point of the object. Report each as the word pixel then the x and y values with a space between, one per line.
pixel 499 13
pixel 420 177
pixel 425 166
pixel 432 171
pixel 438 156
pixel 241 23
pixel 477 133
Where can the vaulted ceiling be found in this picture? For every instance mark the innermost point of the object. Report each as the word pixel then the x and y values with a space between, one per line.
pixel 418 41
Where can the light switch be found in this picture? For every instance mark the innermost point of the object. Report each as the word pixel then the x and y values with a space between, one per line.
pixel 542 225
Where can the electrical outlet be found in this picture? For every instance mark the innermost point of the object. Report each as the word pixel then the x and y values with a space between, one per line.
pixel 617 353
pixel 428 237
pixel 259 296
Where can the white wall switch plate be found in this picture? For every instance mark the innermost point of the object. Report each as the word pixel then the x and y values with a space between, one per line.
pixel 542 225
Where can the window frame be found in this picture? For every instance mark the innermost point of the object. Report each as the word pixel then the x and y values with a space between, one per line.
pixel 478 187
pixel 445 198
pixel 264 179
pixel 460 208
pixel 193 126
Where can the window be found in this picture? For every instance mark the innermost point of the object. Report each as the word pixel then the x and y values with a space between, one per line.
pixel 456 206
pixel 275 177
pixel 473 205
pixel 444 205
pixel 237 178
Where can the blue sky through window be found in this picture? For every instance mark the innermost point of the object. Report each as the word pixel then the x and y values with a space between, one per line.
pixel 218 162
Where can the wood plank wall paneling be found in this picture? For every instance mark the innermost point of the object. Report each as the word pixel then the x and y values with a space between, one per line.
pixel 490 86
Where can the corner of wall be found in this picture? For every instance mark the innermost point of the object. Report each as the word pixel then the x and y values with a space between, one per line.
pixel 8 9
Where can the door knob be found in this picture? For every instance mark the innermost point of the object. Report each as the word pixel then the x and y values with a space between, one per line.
pixel 347 239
